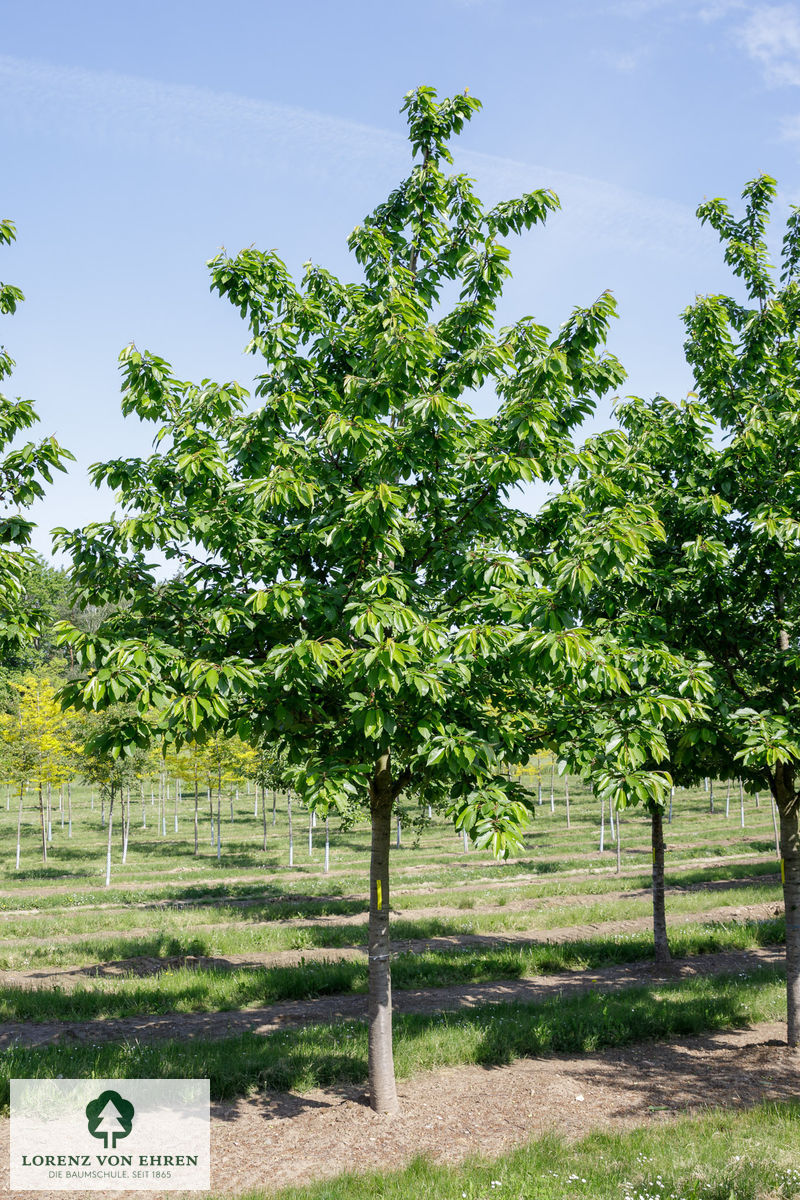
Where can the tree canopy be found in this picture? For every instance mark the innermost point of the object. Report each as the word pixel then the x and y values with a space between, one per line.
pixel 24 469
pixel 354 582
pixel 720 470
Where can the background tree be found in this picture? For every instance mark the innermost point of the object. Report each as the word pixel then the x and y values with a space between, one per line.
pixel 354 582
pixel 40 743
pixel 24 468
pixel 112 774
pixel 721 471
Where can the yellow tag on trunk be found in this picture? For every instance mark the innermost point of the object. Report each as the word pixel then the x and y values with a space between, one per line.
pixel 654 856
pixel 379 891
pixel 783 870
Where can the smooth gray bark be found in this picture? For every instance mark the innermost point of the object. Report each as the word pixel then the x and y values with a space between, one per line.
pixel 382 1091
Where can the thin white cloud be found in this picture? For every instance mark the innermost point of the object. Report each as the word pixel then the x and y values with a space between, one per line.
pixel 717 9
pixel 134 113
pixel 682 10
pixel 626 61
pixel 771 37
pixel 144 116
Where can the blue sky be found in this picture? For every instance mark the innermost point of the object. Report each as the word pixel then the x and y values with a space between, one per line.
pixel 139 138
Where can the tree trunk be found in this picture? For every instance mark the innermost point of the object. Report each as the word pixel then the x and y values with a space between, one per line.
pixel 263 815
pixel 19 822
pixel 291 833
pixel 787 805
pixel 327 845
pixel 108 849
pixel 660 938
pixel 69 803
pixel 125 800
pixel 196 813
pixel 44 826
pixel 602 823
pixel 382 1092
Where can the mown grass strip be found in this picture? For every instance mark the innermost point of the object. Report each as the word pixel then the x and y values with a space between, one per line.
pixel 721 1155
pixel 274 933
pixel 488 1035
pixel 189 989
pixel 285 905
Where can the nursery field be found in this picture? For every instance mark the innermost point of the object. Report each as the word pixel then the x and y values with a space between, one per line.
pixel 531 1025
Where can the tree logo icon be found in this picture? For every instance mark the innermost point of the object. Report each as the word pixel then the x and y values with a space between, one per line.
pixel 110 1116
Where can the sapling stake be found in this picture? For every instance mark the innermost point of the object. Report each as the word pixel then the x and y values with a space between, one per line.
pixel 108 845
pixel 196 813
pixel 19 822
pixel 44 825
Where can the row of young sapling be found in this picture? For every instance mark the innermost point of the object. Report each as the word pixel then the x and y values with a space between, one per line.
pixel 169 794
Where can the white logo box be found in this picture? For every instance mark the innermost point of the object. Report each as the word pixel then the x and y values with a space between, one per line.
pixel 147 1135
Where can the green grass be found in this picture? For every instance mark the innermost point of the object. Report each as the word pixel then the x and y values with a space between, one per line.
pixel 487 1035
pixel 719 1155
pixel 268 926
pixel 209 989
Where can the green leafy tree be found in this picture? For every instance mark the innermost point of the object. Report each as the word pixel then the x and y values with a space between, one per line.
pixel 721 471
pixel 112 774
pixel 355 587
pixel 24 469
pixel 40 742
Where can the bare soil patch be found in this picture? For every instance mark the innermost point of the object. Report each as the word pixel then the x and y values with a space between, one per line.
pixel 277 1139
pixel 145 966
pixel 326 1009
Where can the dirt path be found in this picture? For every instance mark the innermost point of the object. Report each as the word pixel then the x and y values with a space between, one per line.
pixel 277 1139
pixel 75 976
pixel 328 1009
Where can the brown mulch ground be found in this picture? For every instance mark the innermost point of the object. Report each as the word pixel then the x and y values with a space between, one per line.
pixel 215 1025
pixel 277 1139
